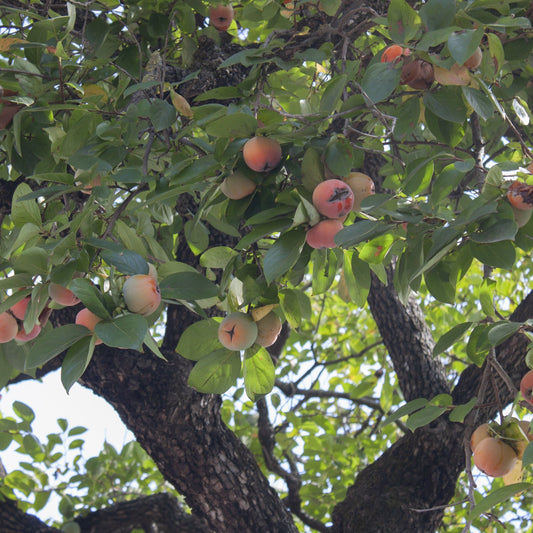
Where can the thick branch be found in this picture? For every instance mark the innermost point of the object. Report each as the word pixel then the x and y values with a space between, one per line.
pixel 408 340
pixel 13 520
pixel 161 510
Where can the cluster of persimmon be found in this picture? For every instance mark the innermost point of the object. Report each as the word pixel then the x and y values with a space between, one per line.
pixel 140 292
pixel 240 331
pixel 260 154
pixel 418 73
pixel 498 448
pixel 334 199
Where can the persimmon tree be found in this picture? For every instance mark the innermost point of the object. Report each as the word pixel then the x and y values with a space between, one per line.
pixel 405 327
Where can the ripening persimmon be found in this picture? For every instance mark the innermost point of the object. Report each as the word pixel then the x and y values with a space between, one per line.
pixel 526 387
pixel 474 60
pixel 262 154
pixel 361 186
pixel 141 294
pixel 268 329
pixel 480 433
pixel 62 295
pixel 493 457
pixel 237 186
pixel 322 235
pixel 393 52
pixel 237 331
pixel 22 336
pixel 418 74
pixel 220 16
pixel 89 320
pixel 19 309
pixel 8 327
pixel 520 195
pixel 333 198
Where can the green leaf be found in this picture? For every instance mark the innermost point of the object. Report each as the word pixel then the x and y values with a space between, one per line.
pixel 459 412
pixel 127 331
pixel 295 305
pixel 499 254
pixel 527 458
pixel 479 101
pixel 360 231
pixel 437 14
pixel 199 340
pixel 324 270
pixel 478 345
pixel 152 345
pixel 25 412
pixel 312 169
pixel 380 80
pixel 499 230
pixel 52 343
pixel 447 104
pixel 126 261
pixel 445 131
pixel 451 337
pixel 233 125
pixel 332 94
pixel 501 331
pixel 162 114
pixel 418 175
pixel 424 416
pixel 283 254
pixel 463 44
pixel 216 372
pixel 403 20
pixel 90 296
pixel 24 211
pixel 259 374
pixel 188 286
pixel 406 409
pixel 217 257
pixel 339 156
pixel 76 361
pixel 497 496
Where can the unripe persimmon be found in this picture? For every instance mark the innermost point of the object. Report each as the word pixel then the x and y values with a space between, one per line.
pixel 221 16
pixel 333 198
pixel 361 186
pixel 322 235
pixel 493 457
pixel 392 53
pixel 262 154
pixel 89 320
pixel 141 294
pixel 268 329
pixel 8 327
pixel 520 195
pixel 526 387
pixel 22 336
pixel 237 186
pixel 480 433
pixel 62 295
pixel 475 59
pixel 19 309
pixel 237 331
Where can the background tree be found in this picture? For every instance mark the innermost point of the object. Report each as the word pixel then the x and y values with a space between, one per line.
pixel 121 123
